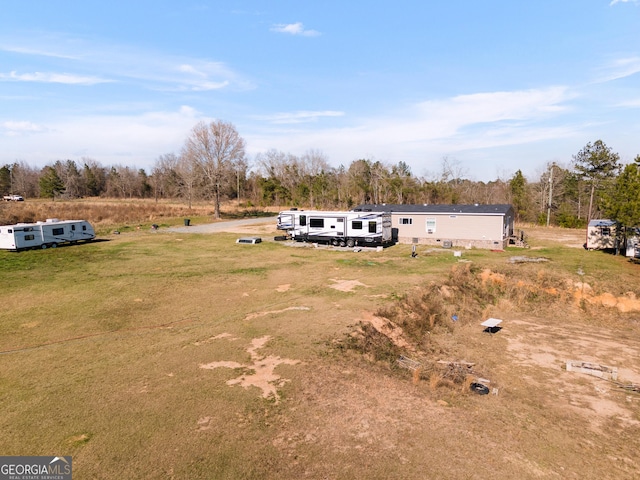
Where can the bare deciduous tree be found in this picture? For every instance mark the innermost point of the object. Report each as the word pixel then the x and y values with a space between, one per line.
pixel 215 149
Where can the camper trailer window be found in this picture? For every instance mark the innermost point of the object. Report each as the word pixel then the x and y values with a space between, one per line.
pixel 406 221
pixel 9 231
pixel 58 231
pixel 84 227
pixel 303 220
pixel 29 237
pixel 73 227
pixel 316 222
pixel 356 225
pixel 372 227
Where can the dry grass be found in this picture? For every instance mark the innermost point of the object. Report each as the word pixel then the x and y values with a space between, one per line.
pixel 107 214
pixel 102 347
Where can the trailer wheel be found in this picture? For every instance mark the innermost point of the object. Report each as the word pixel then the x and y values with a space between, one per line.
pixel 43 246
pixel 351 243
pixel 343 243
pixel 54 245
pixel 334 242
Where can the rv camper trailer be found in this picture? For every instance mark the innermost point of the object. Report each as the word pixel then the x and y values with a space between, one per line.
pixel 50 233
pixel 601 235
pixel 337 228
pixel 604 235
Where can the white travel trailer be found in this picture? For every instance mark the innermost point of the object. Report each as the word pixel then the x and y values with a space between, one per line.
pixel 51 233
pixel 601 235
pixel 338 228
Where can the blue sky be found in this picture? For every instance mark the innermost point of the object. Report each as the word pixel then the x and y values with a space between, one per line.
pixel 492 86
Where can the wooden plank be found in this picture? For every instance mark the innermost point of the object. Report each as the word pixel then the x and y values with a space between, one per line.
pixel 593 369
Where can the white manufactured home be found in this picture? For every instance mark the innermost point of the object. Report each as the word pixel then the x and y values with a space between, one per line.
pixel 338 228
pixel 50 233
pixel 459 226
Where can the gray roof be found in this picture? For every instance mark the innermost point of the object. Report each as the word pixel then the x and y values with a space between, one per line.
pixel 501 209
pixel 601 222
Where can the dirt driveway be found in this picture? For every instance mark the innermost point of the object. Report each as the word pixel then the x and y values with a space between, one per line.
pixel 262 225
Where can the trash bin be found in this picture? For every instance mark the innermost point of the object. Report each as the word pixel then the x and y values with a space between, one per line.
pixel 187 222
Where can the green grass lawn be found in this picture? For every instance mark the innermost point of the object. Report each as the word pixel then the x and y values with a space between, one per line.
pixel 101 348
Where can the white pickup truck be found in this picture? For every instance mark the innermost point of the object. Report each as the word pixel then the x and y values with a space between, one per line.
pixel 13 198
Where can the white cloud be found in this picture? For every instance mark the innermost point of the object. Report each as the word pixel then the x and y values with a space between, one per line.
pixel 15 128
pixel 133 140
pixel 619 68
pixel 303 116
pixel 197 78
pixel 613 2
pixel 631 103
pixel 46 77
pixel 294 29
pixel 36 51
pixel 434 128
pixel 123 63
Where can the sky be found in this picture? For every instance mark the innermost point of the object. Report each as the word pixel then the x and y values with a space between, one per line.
pixel 491 87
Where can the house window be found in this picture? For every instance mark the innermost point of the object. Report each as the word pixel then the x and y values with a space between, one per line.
pixel 406 221
pixel 606 231
pixel 356 225
pixel 431 225
pixel 372 227
pixel 29 237
pixel 316 222
pixel 58 231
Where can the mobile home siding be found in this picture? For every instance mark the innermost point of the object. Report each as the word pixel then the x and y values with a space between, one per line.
pixel 462 230
pixel 464 226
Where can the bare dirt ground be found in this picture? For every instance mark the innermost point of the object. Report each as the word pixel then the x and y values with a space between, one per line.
pixel 541 421
pixel 249 226
pixel 573 238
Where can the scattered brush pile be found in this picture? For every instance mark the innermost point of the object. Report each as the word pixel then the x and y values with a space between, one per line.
pixel 470 294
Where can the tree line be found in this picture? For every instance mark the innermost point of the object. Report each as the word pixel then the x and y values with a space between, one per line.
pixel 213 166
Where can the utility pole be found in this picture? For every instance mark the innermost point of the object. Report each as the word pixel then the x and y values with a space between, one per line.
pixel 550 194
pixel 238 185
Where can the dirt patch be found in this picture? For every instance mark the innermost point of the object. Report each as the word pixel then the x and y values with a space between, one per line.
pixel 263 376
pixel 569 237
pixel 204 423
pixel 626 303
pixel 283 288
pixel 251 316
pixel 541 351
pixel 216 337
pixel 346 285
pixel 578 291
pixel 389 329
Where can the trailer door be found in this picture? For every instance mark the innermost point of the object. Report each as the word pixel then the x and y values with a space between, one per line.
pixel 7 239
pixel 25 238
